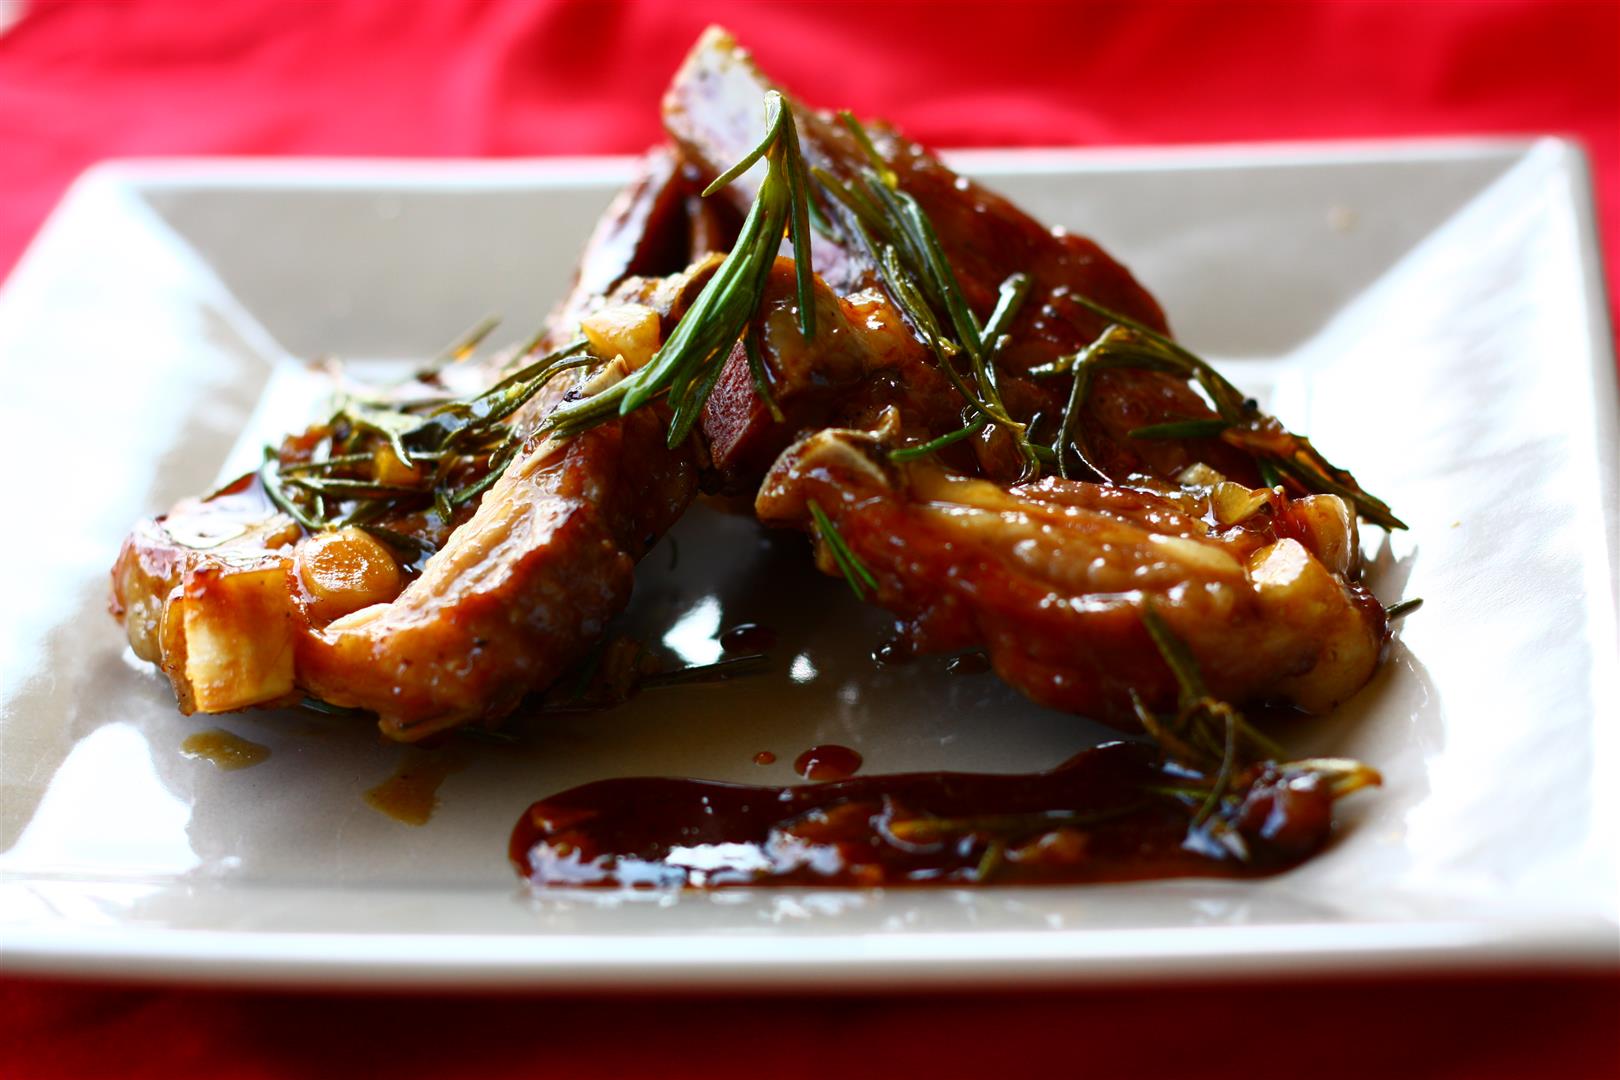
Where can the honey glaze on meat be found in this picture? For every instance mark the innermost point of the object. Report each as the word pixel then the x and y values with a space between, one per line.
pixel 428 616
pixel 711 111
pixel 1052 577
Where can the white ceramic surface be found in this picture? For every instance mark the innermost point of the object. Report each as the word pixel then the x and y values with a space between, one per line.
pixel 1431 313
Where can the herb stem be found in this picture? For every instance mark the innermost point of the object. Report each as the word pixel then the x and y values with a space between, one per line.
pixel 912 453
pixel 855 572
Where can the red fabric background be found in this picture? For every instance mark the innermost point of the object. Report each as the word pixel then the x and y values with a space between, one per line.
pixel 81 82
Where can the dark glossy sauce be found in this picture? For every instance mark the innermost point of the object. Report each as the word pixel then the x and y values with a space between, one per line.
pixel 764 757
pixel 893 654
pixel 748 638
pixel 829 762
pixel 1103 815
pixel 973 663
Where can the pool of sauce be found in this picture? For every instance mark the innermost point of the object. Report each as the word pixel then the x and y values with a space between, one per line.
pixel 224 750
pixel 1103 815
pixel 974 663
pixel 829 762
pixel 748 638
pixel 411 794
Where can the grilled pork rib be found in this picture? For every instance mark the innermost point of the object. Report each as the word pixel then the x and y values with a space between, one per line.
pixel 711 110
pixel 1051 578
pixel 240 606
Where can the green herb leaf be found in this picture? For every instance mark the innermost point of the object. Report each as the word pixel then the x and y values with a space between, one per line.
pixel 911 453
pixel 855 572
pixel 1181 429
pixel 687 365
pixel 1403 608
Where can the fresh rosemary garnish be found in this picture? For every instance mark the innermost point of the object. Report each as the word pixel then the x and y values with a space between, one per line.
pixel 758 372
pixel 439 453
pixel 875 213
pixel 1212 737
pixel 1197 734
pixel 1279 455
pixel 872 212
pixel 686 367
pixel 617 669
pixel 463 347
pixel 855 572
pixel 1402 608
pixel 720 671
pixel 1182 429
pixel 912 453
pixel 929 829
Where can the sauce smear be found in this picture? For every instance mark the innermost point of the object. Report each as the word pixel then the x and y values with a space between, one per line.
pixel 412 794
pixel 1113 813
pixel 224 750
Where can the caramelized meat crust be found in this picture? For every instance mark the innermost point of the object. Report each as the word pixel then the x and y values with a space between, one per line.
pixel 1051 578
pixel 712 111
pixel 240 606
pixel 517 595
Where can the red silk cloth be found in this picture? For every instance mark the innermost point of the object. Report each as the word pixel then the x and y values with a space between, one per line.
pixel 80 82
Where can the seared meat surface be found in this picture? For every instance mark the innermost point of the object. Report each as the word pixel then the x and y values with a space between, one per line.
pixel 436 582
pixel 712 112
pixel 1051 578
pixel 240 605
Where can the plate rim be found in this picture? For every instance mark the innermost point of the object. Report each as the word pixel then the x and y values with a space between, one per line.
pixel 714 960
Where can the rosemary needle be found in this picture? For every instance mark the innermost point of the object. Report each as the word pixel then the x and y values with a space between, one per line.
pixel 1402 608
pixel 685 368
pixel 855 572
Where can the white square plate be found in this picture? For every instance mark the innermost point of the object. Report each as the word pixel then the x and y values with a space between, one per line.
pixel 1431 313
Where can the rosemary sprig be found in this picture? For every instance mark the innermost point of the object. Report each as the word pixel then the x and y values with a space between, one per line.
pixel 1279 455
pixel 1201 719
pixel 1402 608
pixel 873 212
pixel 720 671
pixel 463 347
pixel 855 572
pixel 758 372
pixel 912 453
pixel 420 454
pixel 929 829
pixel 1182 429
pixel 1209 735
pixel 686 366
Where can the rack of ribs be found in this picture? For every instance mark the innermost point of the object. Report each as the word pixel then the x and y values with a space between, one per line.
pixel 241 604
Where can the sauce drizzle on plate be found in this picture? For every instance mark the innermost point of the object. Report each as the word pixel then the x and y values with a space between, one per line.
pixel 1113 813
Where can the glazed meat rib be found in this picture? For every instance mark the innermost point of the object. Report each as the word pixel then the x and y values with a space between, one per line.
pixel 1052 578
pixel 434 561
pixel 242 605
pixel 711 110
